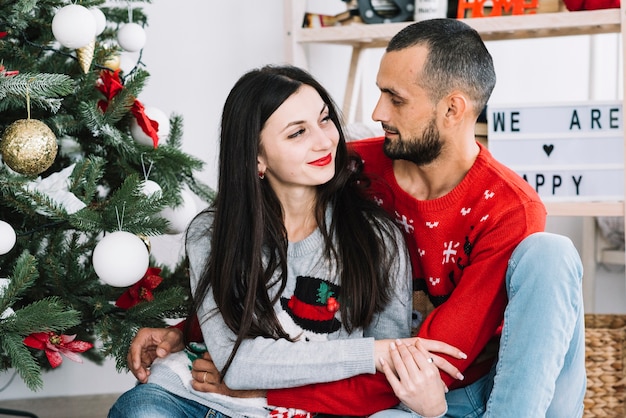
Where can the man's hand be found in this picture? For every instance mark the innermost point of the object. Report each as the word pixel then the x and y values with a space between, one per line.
pixel 206 378
pixel 416 380
pixel 150 343
pixel 382 352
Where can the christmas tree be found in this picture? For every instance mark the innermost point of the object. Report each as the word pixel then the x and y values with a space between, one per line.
pixel 87 176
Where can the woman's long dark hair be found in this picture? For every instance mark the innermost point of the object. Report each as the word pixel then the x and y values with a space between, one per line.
pixel 248 220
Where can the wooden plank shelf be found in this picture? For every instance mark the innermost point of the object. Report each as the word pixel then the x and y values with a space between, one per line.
pixel 585 208
pixel 491 28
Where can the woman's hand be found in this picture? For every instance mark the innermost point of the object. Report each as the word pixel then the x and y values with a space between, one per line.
pixel 206 378
pixel 383 352
pixel 416 380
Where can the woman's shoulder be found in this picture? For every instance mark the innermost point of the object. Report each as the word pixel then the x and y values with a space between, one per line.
pixel 200 226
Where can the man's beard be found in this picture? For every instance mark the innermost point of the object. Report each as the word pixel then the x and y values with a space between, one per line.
pixel 420 151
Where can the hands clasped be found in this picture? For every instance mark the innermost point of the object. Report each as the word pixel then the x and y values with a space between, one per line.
pixel 412 369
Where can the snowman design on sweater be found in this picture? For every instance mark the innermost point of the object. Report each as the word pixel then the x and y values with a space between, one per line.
pixel 309 314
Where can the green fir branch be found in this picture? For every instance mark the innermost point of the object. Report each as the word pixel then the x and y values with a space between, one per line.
pixel 166 305
pixel 23 276
pixel 44 315
pixel 135 83
pixel 43 204
pixel 87 220
pixel 85 177
pixel 175 138
pixel 21 359
pixel 39 87
pixel 107 135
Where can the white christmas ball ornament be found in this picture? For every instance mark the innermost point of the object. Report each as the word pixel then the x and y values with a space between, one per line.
pixel 100 18
pixel 74 26
pixel 149 187
pixel 180 216
pixel 7 237
pixel 120 259
pixel 159 117
pixel 131 37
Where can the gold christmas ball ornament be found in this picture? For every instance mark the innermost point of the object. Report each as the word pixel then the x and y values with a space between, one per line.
pixel 113 62
pixel 146 241
pixel 28 146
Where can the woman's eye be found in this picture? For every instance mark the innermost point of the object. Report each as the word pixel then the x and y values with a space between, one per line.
pixel 326 118
pixel 296 134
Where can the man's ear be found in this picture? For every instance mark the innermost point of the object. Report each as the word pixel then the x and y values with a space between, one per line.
pixel 457 106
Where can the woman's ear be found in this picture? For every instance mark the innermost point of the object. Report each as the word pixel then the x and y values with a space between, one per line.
pixel 261 166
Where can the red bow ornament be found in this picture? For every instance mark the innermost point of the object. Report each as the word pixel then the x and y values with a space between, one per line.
pixel 148 126
pixel 110 85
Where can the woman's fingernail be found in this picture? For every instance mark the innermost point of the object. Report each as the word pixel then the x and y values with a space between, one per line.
pixel 462 355
pixel 460 376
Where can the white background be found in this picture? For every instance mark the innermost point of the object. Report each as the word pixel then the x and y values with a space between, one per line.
pixel 196 50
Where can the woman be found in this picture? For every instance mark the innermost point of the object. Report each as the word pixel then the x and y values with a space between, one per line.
pixel 297 278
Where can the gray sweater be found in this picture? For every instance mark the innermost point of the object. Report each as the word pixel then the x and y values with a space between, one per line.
pixel 324 351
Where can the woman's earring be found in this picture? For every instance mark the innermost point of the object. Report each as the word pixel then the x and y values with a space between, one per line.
pixel 261 175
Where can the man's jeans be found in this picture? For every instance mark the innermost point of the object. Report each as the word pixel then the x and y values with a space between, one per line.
pixel 152 401
pixel 540 370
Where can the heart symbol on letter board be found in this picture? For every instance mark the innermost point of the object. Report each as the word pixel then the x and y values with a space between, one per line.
pixel 548 149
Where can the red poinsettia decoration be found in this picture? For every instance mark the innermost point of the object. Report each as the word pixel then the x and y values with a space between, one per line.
pixel 54 345
pixel 6 73
pixel 142 290
pixel 110 85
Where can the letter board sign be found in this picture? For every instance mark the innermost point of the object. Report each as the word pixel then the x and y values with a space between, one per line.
pixel 565 151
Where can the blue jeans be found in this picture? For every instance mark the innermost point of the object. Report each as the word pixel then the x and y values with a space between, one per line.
pixel 152 401
pixel 540 370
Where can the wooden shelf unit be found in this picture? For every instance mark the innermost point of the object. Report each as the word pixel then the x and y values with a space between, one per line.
pixel 565 23
pixel 491 28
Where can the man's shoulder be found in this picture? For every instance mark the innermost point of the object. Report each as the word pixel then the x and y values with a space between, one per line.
pixel 368 146
pixel 515 194
pixel 371 152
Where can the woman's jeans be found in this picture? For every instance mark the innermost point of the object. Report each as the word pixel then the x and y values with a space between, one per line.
pixel 540 370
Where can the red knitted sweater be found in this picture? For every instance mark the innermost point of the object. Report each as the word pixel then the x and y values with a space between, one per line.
pixel 460 245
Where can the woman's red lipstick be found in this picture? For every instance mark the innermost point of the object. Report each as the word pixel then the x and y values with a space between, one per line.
pixel 322 161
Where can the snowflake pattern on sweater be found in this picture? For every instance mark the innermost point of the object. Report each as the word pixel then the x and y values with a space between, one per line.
pixel 460 244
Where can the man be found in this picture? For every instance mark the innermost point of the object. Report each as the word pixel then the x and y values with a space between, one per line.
pixel 473 228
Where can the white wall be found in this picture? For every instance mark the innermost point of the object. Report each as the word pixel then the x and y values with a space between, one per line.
pixel 195 55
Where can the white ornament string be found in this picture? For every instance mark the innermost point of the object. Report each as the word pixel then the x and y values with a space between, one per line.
pixel 146 174
pixel 120 221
